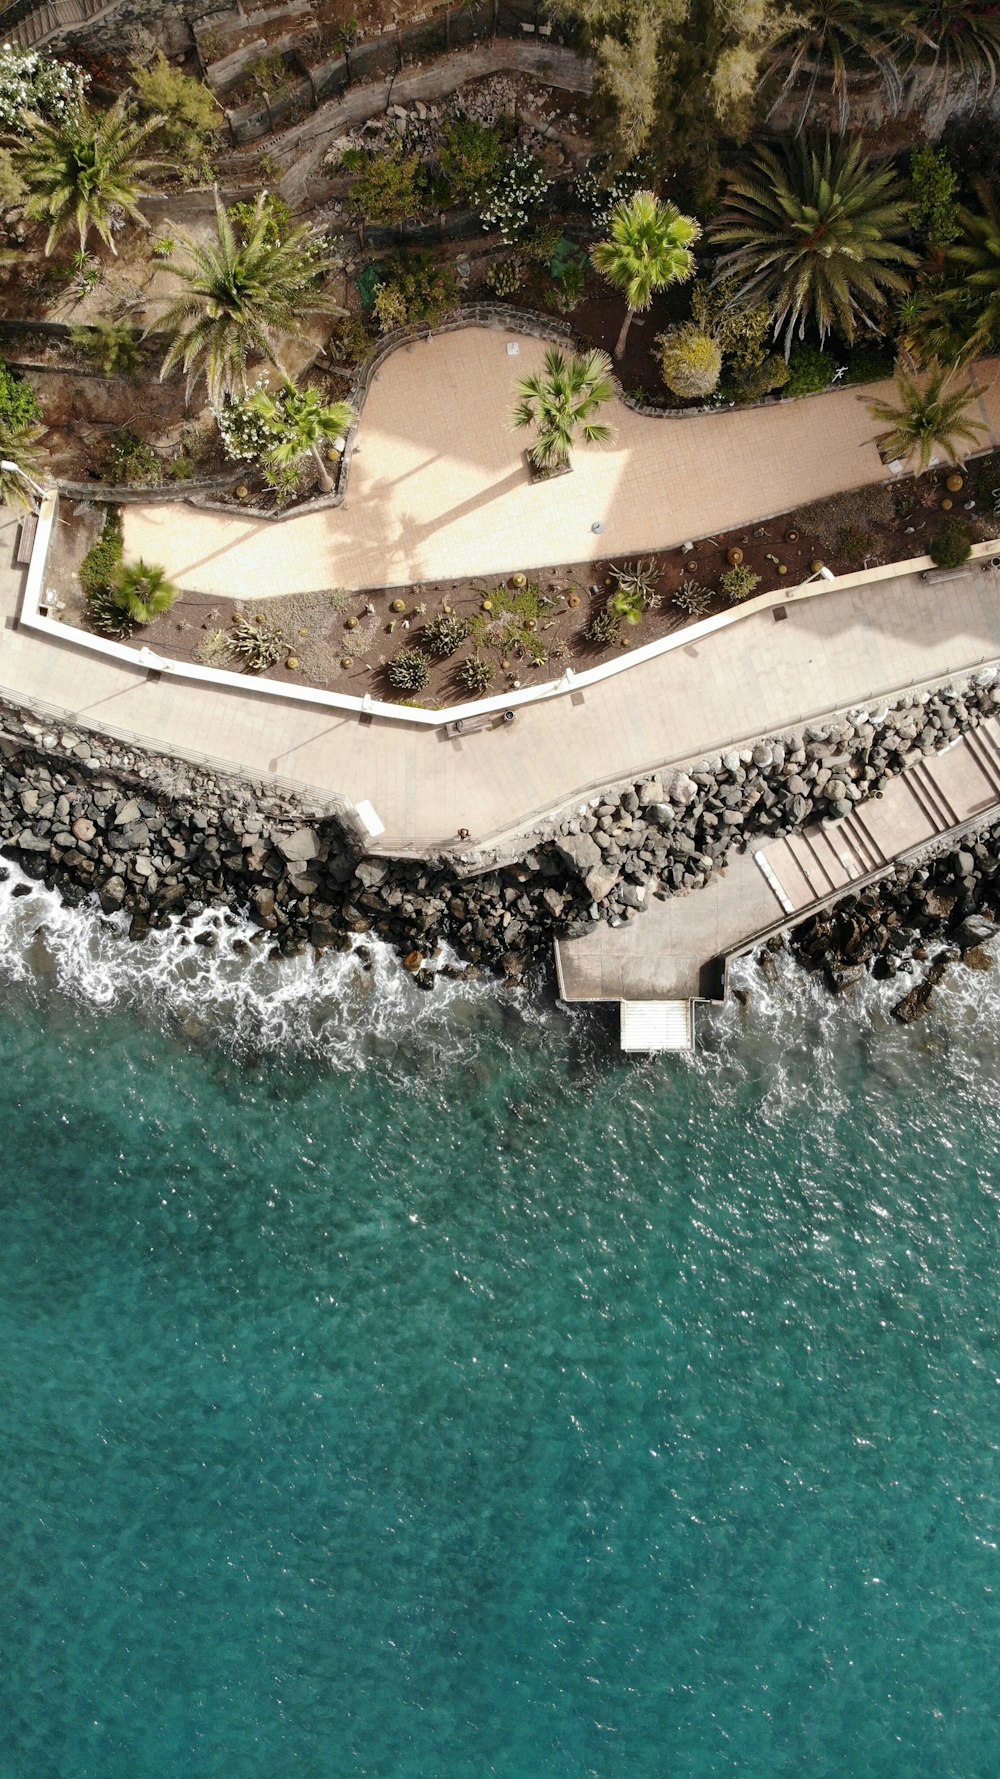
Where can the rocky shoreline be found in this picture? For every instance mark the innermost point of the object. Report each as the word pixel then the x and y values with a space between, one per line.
pixel 160 840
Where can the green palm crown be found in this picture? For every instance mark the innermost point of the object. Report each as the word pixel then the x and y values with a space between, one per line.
pixel 814 231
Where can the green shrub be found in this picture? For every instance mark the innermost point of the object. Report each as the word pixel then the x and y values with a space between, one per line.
pixel 350 342
pixel 108 616
pixel 111 345
pixel 130 463
pixel 477 673
pixel 19 409
pixel 278 219
pixel 100 566
pixel 870 362
pixel 192 117
pixel 934 184
pixel 389 188
pixel 739 582
pixel 445 633
pixel 690 360
pixel 505 277
pixel 471 156
pixel 415 291
pixel 810 371
pixel 409 670
pixel 952 545
pixel 753 385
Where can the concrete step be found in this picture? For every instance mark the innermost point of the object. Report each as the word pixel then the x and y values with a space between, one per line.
pixel 653 1026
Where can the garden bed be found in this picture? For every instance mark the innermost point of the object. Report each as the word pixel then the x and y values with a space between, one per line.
pixel 528 629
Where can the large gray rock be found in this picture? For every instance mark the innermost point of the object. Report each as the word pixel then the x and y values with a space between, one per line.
pixel 684 790
pixel 600 881
pixel 127 813
pixel 372 872
pixel 300 847
pixel 580 852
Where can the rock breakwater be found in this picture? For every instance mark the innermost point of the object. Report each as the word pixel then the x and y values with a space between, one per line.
pixel 159 840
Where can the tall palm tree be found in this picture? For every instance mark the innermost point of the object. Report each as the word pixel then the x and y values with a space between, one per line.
pixel 309 423
pixel 838 45
pixel 142 591
pixel 649 249
pixel 563 403
pixel 83 168
pixel 927 417
pixel 977 259
pixel 241 291
pixel 813 230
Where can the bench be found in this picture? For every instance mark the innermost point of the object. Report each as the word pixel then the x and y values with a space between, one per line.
pixel 469 725
pixel 26 541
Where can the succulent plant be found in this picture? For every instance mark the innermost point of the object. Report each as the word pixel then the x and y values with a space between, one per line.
pixel 258 643
pixel 445 633
pixel 739 582
pixel 409 670
pixel 605 626
pixel 692 597
pixel 477 673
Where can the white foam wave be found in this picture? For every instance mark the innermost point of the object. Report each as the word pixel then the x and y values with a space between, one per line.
pixel 234 988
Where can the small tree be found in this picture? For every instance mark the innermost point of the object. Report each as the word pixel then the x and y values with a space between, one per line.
pixel 308 425
pixel 142 591
pixel 390 187
pixel 110 344
pixel 926 418
pixel 471 157
pixel 82 169
pixel 649 249
pixel 691 361
pixel 188 113
pixel 563 403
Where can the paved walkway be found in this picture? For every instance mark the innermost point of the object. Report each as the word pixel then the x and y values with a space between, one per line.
pixel 438 487
pixel 847 647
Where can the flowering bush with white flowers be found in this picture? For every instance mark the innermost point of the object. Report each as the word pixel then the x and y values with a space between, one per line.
pixel 599 197
pixel 31 81
pixel 248 437
pixel 513 200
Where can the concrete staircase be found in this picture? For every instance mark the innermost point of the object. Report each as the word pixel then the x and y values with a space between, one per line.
pixel 51 20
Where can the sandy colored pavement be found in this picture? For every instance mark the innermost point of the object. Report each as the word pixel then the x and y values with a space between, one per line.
pixel 438 487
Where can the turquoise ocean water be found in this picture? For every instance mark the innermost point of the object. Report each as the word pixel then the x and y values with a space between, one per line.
pixel 408 1386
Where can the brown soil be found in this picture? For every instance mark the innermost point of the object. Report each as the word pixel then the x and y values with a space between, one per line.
pixel 326 629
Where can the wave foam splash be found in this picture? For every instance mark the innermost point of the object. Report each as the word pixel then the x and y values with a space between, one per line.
pixel 230 988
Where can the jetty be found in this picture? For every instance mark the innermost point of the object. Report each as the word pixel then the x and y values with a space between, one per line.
pixel 677 954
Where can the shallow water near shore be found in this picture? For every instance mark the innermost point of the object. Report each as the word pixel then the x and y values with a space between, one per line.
pixel 405 1385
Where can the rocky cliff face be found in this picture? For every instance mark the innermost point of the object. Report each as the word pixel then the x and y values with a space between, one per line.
pixel 158 839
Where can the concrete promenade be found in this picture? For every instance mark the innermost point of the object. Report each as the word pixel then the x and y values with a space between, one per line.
pixel 850 646
pixel 438 487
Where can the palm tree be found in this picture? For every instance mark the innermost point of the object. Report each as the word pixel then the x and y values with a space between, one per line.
pixel 110 344
pixel 142 591
pixel 978 259
pixel 309 424
pixel 82 169
pixel 964 36
pixel 839 43
pixel 814 232
pixel 650 248
pixel 562 403
pixel 242 290
pixel 927 418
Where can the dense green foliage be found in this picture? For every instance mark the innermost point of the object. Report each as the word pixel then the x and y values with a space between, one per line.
pixel 189 116
pixel 690 360
pixel 816 232
pixel 952 545
pixel 934 186
pixel 389 187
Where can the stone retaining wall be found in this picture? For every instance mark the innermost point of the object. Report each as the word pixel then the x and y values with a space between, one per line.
pixel 157 838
